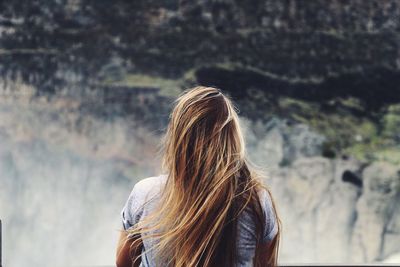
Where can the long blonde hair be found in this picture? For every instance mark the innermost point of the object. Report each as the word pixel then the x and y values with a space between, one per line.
pixel 208 186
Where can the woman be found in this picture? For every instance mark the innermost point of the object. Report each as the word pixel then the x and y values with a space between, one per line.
pixel 210 209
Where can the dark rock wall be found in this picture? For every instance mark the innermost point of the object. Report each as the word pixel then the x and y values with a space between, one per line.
pixel 295 40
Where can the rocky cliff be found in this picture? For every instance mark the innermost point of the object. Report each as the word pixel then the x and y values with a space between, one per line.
pixel 333 210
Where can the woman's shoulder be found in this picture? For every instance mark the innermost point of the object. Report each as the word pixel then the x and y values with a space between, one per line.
pixel 150 182
pixel 268 207
pixel 247 223
pixel 141 194
pixel 148 187
pixel 265 197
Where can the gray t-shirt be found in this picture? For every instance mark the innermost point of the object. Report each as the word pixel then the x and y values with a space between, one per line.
pixel 143 199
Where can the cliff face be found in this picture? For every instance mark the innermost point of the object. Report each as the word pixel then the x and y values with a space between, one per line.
pixel 62 168
pixel 332 210
pixel 311 62
pixel 287 43
pixel 86 89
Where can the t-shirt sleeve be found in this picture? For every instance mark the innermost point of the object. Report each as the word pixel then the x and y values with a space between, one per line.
pixel 132 210
pixel 271 225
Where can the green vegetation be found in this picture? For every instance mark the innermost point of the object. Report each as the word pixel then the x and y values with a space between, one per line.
pixel 359 136
pixel 345 122
pixel 391 122
pixel 168 87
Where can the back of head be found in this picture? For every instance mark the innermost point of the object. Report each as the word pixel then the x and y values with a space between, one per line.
pixel 203 138
pixel 209 183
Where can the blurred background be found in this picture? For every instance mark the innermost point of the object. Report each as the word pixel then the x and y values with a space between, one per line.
pixel 86 87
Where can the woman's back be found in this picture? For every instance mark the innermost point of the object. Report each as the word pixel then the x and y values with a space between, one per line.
pixel 144 199
pixel 212 209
